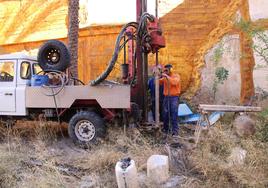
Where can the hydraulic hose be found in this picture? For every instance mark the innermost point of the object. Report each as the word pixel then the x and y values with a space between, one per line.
pixel 63 83
pixel 141 32
pixel 143 23
pixel 114 58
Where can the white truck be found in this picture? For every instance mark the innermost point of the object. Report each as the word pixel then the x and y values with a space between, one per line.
pixel 85 107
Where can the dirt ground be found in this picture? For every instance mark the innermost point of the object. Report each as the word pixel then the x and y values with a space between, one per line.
pixel 40 154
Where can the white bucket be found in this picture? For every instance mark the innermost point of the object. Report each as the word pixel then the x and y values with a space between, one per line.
pixel 126 177
pixel 157 168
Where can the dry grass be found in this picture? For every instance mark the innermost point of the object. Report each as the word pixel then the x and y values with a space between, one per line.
pixel 36 154
pixel 24 157
pixel 35 161
pixel 211 159
pixel 101 160
pixel 18 170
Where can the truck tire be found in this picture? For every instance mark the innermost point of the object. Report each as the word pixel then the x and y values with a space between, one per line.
pixel 86 127
pixel 54 55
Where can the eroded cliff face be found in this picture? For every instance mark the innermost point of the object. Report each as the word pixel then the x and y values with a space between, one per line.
pixel 27 20
pixel 191 28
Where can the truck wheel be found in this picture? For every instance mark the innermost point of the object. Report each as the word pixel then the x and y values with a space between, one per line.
pixel 85 127
pixel 54 55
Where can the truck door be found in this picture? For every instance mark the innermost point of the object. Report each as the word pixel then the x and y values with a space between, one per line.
pixel 7 85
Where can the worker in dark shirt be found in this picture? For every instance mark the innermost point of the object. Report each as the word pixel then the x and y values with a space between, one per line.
pixel 151 86
pixel 172 89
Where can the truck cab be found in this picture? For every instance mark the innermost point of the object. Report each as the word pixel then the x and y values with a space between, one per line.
pixel 16 71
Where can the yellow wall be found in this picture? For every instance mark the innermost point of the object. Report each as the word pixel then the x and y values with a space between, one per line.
pixel 28 20
pixel 96 45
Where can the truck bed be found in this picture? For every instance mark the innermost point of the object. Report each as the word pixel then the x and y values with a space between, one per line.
pixel 108 96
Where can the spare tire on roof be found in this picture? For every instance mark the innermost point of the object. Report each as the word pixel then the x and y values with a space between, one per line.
pixel 54 55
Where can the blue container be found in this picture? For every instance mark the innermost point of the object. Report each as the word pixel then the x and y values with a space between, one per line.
pixel 39 80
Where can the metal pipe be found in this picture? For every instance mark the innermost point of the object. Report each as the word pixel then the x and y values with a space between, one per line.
pixel 156 8
pixel 140 90
pixel 145 84
pixel 157 101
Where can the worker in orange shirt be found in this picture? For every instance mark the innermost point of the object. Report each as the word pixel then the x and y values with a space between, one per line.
pixel 172 89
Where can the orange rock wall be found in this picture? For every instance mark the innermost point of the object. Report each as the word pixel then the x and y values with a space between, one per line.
pixel 247 61
pixel 28 20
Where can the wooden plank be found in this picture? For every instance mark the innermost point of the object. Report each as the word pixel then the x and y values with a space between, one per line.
pixel 228 108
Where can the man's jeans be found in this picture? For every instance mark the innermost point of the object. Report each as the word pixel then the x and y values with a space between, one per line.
pixel 170 109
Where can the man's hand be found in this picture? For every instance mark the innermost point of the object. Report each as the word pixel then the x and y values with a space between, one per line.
pixel 165 75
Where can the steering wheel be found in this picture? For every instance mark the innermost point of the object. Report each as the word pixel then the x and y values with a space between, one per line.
pixel 5 74
pixel 41 72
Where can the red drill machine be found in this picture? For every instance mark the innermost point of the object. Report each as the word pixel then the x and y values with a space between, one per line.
pixel 137 39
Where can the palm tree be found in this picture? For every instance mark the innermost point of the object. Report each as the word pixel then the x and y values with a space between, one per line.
pixel 73 30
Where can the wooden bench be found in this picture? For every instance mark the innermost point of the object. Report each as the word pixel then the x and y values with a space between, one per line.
pixel 205 109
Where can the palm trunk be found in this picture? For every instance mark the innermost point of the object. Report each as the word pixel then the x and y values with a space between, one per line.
pixel 73 29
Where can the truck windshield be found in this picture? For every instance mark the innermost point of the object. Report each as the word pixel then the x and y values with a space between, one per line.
pixel 6 71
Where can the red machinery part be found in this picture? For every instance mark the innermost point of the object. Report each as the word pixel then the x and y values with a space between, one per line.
pixel 155 32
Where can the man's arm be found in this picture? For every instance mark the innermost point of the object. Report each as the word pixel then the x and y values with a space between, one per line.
pixel 173 80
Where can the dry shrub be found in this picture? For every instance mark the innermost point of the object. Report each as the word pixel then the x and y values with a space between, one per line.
pixel 47 131
pixel 261 119
pixel 29 131
pixel 101 160
pixel 211 157
pixel 43 177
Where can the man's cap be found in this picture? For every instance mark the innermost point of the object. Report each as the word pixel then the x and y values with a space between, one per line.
pixel 168 66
